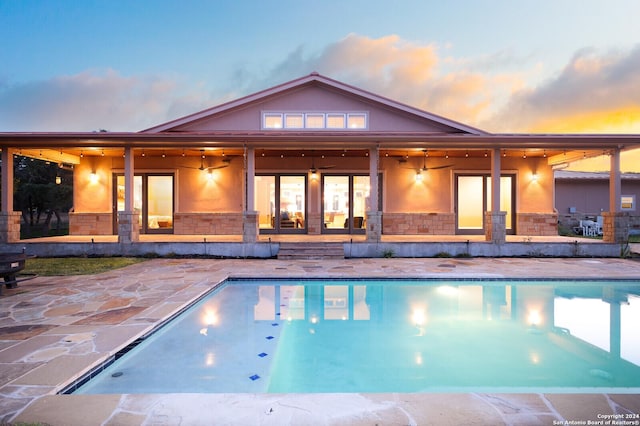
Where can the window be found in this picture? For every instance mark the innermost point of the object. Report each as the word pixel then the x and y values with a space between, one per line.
pixel 356 121
pixel 314 120
pixel 628 202
pixel 335 121
pixel 273 121
pixel 294 121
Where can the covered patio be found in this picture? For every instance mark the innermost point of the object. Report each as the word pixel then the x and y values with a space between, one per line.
pixel 309 161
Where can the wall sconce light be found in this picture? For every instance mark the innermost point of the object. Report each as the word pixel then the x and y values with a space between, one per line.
pixel 93 177
pixel 418 176
pixel 58 180
pixel 314 175
pixel 534 177
pixel 210 175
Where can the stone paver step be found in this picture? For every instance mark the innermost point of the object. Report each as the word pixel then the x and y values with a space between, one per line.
pixel 311 251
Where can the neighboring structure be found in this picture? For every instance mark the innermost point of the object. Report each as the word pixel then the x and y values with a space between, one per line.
pixel 312 156
pixel 585 196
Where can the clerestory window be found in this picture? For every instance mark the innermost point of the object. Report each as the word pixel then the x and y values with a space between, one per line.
pixel 314 120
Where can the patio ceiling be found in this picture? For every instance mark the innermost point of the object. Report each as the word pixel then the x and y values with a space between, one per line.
pixel 70 147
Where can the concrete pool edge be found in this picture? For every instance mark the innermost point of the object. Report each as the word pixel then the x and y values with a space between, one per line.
pixel 26 398
pixel 326 409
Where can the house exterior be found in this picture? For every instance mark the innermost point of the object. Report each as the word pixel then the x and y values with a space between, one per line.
pixel 312 156
pixel 585 195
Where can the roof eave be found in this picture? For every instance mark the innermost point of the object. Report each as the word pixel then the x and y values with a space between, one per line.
pixel 324 138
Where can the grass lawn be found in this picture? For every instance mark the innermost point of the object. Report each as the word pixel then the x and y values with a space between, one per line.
pixel 49 266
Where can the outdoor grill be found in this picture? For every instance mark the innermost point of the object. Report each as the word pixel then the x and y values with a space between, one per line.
pixel 10 266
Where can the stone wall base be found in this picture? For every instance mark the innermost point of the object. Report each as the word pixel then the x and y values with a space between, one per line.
pixel 537 224
pixel 572 220
pixel 90 223
pixel 227 223
pixel 419 223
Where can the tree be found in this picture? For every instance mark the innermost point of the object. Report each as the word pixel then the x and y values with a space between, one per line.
pixel 38 195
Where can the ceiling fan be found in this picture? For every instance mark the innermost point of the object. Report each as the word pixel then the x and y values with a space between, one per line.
pixel 225 163
pixel 424 164
pixel 315 169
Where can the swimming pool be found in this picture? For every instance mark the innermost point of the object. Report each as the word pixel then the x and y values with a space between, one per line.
pixel 260 336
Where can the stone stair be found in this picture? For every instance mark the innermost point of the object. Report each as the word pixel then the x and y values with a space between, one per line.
pixel 311 251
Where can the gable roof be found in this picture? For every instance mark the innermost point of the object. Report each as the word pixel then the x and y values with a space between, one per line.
pixel 313 79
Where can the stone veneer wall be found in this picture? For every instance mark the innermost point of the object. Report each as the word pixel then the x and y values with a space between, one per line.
pixel 419 223
pixel 537 224
pixel 208 223
pixel 615 227
pixel 571 220
pixel 10 227
pixel 90 223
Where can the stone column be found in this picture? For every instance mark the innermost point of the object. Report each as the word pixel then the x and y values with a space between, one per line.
pixel 250 228
pixel 251 176
pixel 615 227
pixel 9 220
pixel 495 221
pixel 374 216
pixel 495 229
pixel 129 218
pixel 128 227
pixel 250 217
pixel 10 227
pixel 374 226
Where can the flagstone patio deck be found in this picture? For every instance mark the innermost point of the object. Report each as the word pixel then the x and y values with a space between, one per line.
pixel 54 329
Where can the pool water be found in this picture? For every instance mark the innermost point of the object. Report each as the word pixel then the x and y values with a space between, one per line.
pixel 391 336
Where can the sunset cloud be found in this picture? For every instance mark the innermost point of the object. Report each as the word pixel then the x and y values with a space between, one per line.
pixel 420 75
pixel 597 91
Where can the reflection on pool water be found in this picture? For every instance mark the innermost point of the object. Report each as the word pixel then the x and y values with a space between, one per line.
pixel 392 336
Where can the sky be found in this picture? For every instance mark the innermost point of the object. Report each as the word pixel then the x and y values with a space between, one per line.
pixel 505 66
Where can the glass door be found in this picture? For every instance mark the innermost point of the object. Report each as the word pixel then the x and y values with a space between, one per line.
pixel 473 198
pixel 345 203
pixel 265 201
pixel 361 187
pixel 158 214
pixel 292 203
pixel 471 205
pixel 152 197
pixel 281 203
pixel 335 196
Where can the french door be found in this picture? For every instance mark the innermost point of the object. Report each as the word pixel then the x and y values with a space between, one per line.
pixel 281 203
pixel 345 201
pixel 473 199
pixel 153 197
